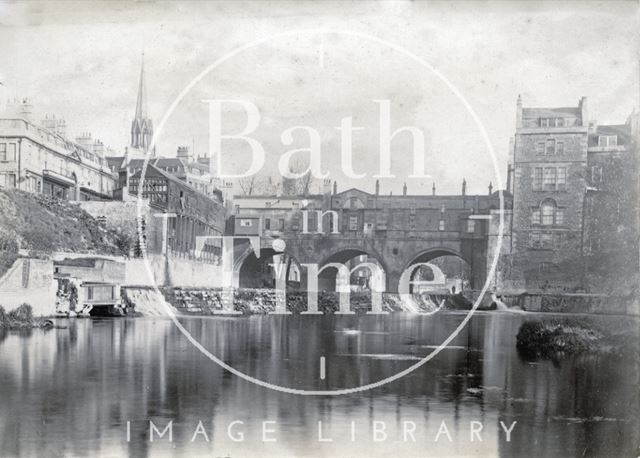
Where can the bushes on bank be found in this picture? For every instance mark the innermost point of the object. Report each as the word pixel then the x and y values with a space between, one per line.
pixel 549 339
pixel 21 318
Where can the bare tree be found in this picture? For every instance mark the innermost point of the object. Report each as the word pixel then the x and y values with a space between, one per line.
pixel 257 185
pixel 300 186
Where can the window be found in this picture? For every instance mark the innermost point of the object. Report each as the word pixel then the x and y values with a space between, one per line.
pixel 541 240
pixel 245 223
pixel 471 226
pixel 441 225
pixel 537 179
pixel 353 223
pixel 561 178
pixel 412 208
pixel 549 179
pixel 267 204
pixel 559 122
pixel 547 210
pixel 3 151
pixel 281 224
pixel 443 208
pixel 550 146
pixel 544 122
pixel 535 216
pixel 11 152
pixel 11 180
pixel 596 174
pixel 237 209
pixel 267 224
pixel 560 148
pixel 608 140
pixel 547 215
pixel 540 148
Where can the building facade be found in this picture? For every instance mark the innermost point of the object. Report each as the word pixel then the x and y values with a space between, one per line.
pixel 574 185
pixel 35 159
pixel 193 214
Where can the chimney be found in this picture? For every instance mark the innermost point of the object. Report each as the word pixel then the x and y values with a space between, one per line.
pixel 404 189
pixel 183 153
pixel 433 189
pixel 335 187
pixel 377 187
pixel 583 112
pixel 519 112
pixel 464 187
pixel 326 186
pixel 490 188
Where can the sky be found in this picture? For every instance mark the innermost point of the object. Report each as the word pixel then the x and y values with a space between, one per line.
pixel 81 61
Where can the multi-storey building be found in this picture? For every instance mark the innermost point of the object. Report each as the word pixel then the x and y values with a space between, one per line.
pixel 573 187
pixel 39 160
pixel 192 213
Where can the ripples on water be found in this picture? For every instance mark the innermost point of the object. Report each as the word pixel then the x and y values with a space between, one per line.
pixel 70 392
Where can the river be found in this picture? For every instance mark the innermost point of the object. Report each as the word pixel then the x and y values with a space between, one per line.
pixel 92 387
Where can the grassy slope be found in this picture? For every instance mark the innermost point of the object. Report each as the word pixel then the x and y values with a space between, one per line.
pixel 42 225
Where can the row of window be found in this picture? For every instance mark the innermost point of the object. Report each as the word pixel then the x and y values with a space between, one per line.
pixel 550 146
pixel 549 178
pixel 552 122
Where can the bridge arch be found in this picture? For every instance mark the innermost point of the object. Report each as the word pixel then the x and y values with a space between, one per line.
pixel 426 257
pixel 342 255
pixel 256 272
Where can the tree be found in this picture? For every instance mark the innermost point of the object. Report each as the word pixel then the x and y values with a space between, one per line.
pixel 298 186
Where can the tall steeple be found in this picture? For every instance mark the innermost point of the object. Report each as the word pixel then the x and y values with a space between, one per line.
pixel 141 126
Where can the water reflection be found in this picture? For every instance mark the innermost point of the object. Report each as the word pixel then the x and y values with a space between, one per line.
pixel 71 391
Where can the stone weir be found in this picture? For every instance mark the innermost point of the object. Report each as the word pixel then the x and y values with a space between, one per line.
pixel 247 301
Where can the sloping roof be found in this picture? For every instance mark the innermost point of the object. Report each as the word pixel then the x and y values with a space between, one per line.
pixel 551 112
pixel 622 131
pixel 115 161
pixel 616 129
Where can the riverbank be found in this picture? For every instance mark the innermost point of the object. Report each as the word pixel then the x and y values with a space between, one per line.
pixel 22 317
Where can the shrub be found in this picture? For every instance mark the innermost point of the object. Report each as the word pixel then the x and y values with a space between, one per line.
pixel 3 317
pixel 553 338
pixel 23 314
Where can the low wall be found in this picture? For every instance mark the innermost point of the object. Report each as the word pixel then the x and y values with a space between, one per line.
pixel 29 281
pixel 575 303
pixel 181 273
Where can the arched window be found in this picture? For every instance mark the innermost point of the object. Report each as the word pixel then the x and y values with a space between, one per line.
pixel 547 211
pixel 549 214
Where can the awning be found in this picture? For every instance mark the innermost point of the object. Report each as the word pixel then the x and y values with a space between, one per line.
pixel 58 178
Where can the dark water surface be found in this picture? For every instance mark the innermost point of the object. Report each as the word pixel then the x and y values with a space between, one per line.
pixel 71 392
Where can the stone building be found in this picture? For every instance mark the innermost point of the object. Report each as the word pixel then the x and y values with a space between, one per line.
pixel 574 184
pixel 36 159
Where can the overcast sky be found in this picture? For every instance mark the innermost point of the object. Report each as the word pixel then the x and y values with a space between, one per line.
pixel 81 61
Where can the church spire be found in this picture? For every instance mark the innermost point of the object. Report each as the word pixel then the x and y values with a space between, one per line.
pixel 141 126
pixel 141 103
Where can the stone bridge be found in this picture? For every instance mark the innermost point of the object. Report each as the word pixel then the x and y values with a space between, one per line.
pixel 395 255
